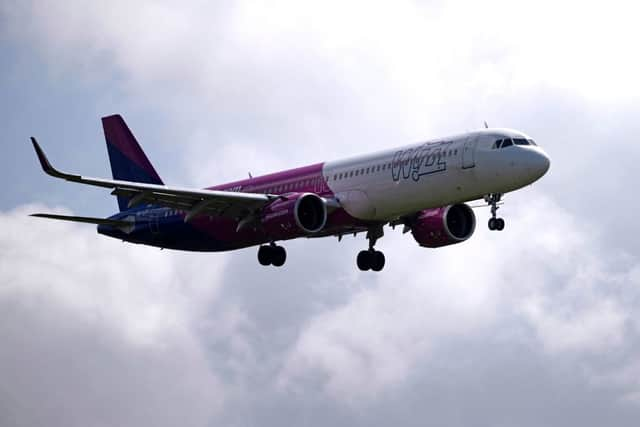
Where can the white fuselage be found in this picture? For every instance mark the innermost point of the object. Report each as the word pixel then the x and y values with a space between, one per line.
pixel 392 183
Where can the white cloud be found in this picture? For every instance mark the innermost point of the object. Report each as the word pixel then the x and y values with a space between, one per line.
pixel 592 328
pixel 527 317
pixel 99 332
pixel 334 78
pixel 557 283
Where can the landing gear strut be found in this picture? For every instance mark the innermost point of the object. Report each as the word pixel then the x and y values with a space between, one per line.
pixel 494 222
pixel 272 255
pixel 371 259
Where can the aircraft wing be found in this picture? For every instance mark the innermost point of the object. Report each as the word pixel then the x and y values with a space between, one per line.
pixel 195 202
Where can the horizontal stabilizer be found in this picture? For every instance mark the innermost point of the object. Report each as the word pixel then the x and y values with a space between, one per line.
pixel 87 220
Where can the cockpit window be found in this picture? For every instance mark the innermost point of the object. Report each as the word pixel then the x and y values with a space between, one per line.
pixel 520 141
pixel 506 143
pixel 496 144
pixel 532 142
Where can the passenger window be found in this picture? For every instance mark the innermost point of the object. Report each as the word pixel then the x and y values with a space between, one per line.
pixel 506 143
pixel 362 171
pixel 367 170
pixel 350 174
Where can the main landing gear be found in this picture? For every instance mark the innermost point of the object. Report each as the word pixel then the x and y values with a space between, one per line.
pixel 371 259
pixel 494 223
pixel 272 255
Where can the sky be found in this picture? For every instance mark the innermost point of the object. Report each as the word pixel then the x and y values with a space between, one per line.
pixel 536 325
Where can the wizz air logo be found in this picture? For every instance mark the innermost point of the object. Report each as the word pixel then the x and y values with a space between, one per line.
pixel 426 159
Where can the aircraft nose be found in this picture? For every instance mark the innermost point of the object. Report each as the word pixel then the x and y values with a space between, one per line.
pixel 537 163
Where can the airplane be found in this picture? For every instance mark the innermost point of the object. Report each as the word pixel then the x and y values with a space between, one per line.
pixel 425 187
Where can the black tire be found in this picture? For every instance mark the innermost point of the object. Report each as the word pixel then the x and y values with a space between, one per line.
pixel 378 261
pixel 492 224
pixel 264 255
pixel 500 224
pixel 364 260
pixel 279 256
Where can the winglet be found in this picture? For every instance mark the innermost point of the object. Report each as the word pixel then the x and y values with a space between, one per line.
pixel 46 165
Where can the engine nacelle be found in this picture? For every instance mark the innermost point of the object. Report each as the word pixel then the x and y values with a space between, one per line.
pixel 437 227
pixel 298 215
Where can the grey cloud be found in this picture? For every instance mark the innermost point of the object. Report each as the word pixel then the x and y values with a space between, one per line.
pixel 89 337
pixel 534 326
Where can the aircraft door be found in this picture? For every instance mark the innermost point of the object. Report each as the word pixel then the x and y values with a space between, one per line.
pixel 469 152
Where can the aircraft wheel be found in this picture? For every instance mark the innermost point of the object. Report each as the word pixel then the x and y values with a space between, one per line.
pixel 378 261
pixel 279 256
pixel 264 255
pixel 364 260
pixel 499 224
pixel 492 223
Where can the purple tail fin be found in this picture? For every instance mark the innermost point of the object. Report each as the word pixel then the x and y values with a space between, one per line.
pixel 128 161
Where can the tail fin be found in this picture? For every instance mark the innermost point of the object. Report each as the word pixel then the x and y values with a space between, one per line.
pixel 128 161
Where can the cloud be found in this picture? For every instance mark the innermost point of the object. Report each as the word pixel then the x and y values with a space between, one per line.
pixel 93 333
pixel 358 76
pixel 535 325
pixel 552 295
pixel 88 320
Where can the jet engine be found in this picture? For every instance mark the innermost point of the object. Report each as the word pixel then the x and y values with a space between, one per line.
pixel 298 215
pixel 437 227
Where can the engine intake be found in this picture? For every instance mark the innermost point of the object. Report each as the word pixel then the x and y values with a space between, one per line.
pixel 433 228
pixel 298 215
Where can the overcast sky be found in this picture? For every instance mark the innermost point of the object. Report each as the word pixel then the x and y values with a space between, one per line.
pixel 536 326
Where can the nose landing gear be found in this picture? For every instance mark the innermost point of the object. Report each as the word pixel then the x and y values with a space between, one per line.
pixel 371 259
pixel 494 222
pixel 272 255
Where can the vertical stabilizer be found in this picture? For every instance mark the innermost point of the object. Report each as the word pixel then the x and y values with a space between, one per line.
pixel 128 161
